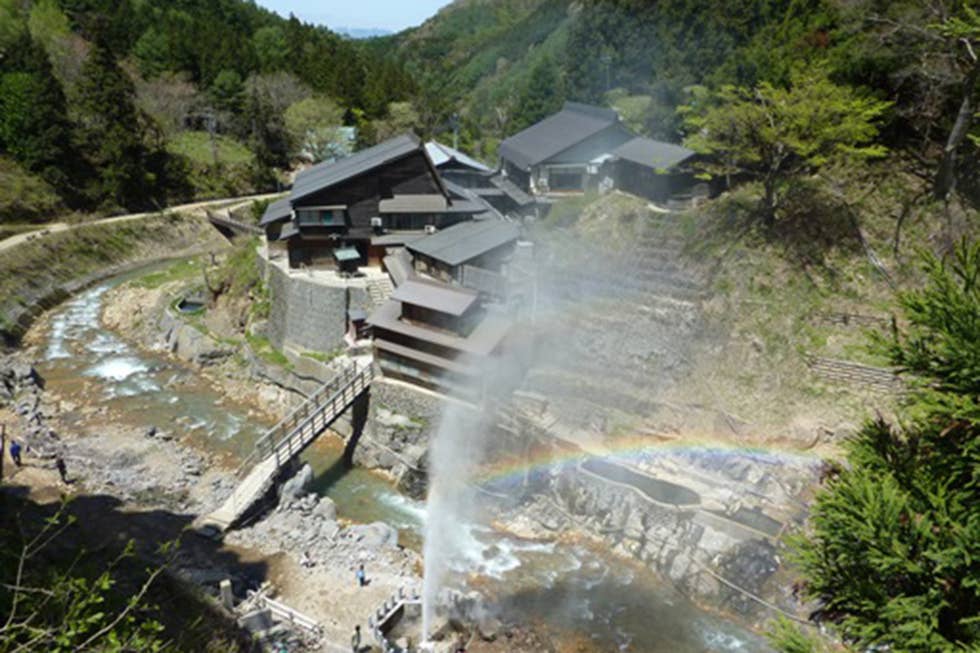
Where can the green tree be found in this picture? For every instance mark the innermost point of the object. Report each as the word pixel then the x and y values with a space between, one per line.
pixel 543 94
pixel 893 540
pixel 964 31
pixel 34 125
pixel 46 608
pixel 152 53
pixel 402 117
pixel 11 24
pixel 112 134
pixel 271 48
pixel 774 134
pixel 50 27
pixel 227 92
pixel 314 126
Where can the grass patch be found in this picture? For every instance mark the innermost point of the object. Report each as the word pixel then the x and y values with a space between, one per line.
pixel 262 348
pixel 196 146
pixel 567 210
pixel 323 357
pixel 179 271
pixel 233 173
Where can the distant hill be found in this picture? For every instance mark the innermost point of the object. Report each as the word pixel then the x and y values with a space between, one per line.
pixel 477 56
pixel 363 32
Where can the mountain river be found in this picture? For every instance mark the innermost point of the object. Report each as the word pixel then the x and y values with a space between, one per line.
pixel 570 588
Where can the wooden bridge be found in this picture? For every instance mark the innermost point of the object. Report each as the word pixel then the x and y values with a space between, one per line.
pixel 287 439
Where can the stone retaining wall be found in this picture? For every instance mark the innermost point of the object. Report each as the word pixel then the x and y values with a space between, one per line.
pixel 401 423
pixel 308 315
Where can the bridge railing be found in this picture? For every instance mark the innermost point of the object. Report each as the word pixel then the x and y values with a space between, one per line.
pixel 289 436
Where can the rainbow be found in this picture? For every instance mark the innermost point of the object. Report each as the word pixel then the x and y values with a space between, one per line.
pixel 631 449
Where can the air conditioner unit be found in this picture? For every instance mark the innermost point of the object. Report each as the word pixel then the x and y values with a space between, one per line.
pixel 377 223
pixel 430 229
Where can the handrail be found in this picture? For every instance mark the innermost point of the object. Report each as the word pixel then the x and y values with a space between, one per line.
pixel 282 437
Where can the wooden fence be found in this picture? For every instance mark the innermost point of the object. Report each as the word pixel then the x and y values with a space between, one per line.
pixel 851 319
pixel 849 372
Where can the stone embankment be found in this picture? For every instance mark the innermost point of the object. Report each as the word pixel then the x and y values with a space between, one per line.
pixel 45 271
pixel 710 520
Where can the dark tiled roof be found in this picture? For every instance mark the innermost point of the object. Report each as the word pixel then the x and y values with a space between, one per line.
pixel 481 341
pixel 465 241
pixel 512 190
pixel 436 296
pixel 396 238
pixel 279 210
pixel 413 204
pixel 399 266
pixel 465 200
pixel 556 133
pixel 331 173
pixel 653 154
pixel 442 154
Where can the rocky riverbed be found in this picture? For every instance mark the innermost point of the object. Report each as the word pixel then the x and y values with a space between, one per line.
pixel 311 551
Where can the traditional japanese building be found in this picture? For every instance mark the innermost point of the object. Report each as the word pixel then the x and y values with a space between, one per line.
pixel 656 170
pixel 335 209
pixel 583 147
pixel 485 244
pixel 444 327
pixel 564 151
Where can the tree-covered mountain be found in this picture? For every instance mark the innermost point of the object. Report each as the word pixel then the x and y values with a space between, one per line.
pixel 502 65
pixel 98 98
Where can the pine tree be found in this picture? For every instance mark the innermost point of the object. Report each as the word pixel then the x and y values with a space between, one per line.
pixel 112 132
pixel 34 125
pixel 543 94
pixel 893 540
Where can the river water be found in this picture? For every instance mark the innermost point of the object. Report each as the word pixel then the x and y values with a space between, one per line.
pixel 570 589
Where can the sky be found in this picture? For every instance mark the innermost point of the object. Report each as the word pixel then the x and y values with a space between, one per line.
pixel 394 15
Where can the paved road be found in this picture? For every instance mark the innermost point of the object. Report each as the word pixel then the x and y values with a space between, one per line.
pixel 55 227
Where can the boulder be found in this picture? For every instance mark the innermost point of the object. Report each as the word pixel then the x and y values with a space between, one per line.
pixel 378 535
pixel 326 509
pixel 25 374
pixel 489 628
pixel 297 486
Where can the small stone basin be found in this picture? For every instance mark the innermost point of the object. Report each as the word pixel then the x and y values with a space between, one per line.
pixel 656 489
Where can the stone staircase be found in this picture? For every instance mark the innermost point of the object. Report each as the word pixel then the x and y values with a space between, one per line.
pixel 379 290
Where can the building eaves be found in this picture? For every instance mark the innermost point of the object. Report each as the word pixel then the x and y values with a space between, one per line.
pixel 653 154
pixel 277 211
pixel 556 133
pixel 487 335
pixel 327 174
pixel 442 154
pixel 435 296
pixel 465 241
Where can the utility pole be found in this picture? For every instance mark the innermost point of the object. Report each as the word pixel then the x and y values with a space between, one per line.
pixel 454 123
pixel 606 60
pixel 3 446
pixel 212 123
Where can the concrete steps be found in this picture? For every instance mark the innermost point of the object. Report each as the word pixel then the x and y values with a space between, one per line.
pixel 379 290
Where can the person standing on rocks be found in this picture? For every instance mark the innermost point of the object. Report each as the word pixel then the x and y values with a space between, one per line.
pixel 15 452
pixel 361 576
pixel 62 469
pixel 355 639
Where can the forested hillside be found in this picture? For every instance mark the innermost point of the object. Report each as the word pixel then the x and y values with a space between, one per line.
pixel 503 65
pixel 119 104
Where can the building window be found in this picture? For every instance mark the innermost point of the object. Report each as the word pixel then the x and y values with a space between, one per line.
pixel 322 217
